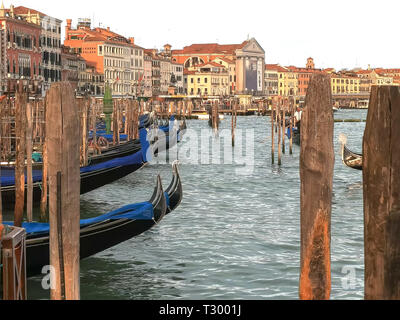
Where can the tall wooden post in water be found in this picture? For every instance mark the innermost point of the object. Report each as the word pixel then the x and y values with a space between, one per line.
pixel 278 112
pixel 62 122
pixel 273 132
pixel 29 131
pixel 20 127
pixel 316 173
pixel 381 173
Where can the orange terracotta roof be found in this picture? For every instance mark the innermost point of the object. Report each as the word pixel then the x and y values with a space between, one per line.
pixel 188 72
pixel 210 48
pixel 275 67
pixel 100 34
pixel 25 10
pixel 214 64
pixel 226 60
pixel 364 71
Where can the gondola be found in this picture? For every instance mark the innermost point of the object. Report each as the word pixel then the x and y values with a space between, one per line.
pixel 167 137
pixel 93 176
pixel 98 173
pixel 106 231
pixel 296 136
pixel 351 159
pixel 174 192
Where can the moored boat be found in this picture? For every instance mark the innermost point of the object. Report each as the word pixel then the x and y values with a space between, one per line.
pixel 106 231
pixel 349 158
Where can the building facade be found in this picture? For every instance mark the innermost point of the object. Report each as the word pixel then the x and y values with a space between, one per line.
pixel 70 67
pixel 177 77
pixel 166 73
pixel 23 52
pixel 118 58
pixel 50 41
pixel 147 76
pixel 208 79
pixel 345 85
pixel 155 74
pixel 230 65
pixel 271 79
pixel 249 59
pixel 3 61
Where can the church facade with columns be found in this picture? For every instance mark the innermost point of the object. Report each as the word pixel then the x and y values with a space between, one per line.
pixel 248 58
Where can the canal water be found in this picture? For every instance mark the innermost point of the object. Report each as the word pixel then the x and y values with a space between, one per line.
pixel 234 236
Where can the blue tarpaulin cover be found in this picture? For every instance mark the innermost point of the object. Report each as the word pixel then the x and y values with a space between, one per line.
pixel 8 173
pixel 138 211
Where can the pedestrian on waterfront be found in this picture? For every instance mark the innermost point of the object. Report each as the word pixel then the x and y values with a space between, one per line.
pixel 297 116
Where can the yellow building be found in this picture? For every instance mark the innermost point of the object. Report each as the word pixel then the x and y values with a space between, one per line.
pixel 208 79
pixel 230 65
pixel 342 84
pixel 287 82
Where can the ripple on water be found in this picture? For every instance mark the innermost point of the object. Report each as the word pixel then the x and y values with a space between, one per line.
pixel 233 237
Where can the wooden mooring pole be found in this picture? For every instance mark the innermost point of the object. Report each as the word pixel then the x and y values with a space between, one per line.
pixel 381 175
pixel 278 111
pixel 29 132
pixel 316 173
pixel 62 121
pixel 20 127
pixel 44 196
pixel 291 114
pixel 283 124
pixel 273 133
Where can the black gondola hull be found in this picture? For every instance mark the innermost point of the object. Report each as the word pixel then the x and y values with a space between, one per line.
pixel 89 182
pixel 91 242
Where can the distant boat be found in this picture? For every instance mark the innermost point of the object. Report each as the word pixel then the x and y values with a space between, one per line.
pixel 349 158
pixel 336 109
pixel 205 116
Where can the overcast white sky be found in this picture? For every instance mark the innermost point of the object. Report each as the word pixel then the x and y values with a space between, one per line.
pixel 338 34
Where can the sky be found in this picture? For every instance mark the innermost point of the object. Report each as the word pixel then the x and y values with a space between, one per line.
pixel 342 34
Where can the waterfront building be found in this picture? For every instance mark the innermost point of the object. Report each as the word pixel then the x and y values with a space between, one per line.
pixel 166 74
pixel 70 66
pixel 156 73
pixel 147 75
pixel 365 80
pixel 82 75
pixel 271 80
pixel 288 82
pixel 91 82
pixel 379 77
pixel 230 65
pixel 208 79
pixel 304 76
pixel 248 56
pixel 50 42
pixel 343 84
pixel 118 58
pixel 23 53
pixel 3 61
pixel 177 77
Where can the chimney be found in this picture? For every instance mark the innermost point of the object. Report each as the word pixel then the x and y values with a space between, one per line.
pixel 68 28
pixel 154 52
pixel 108 29
pixel 132 40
